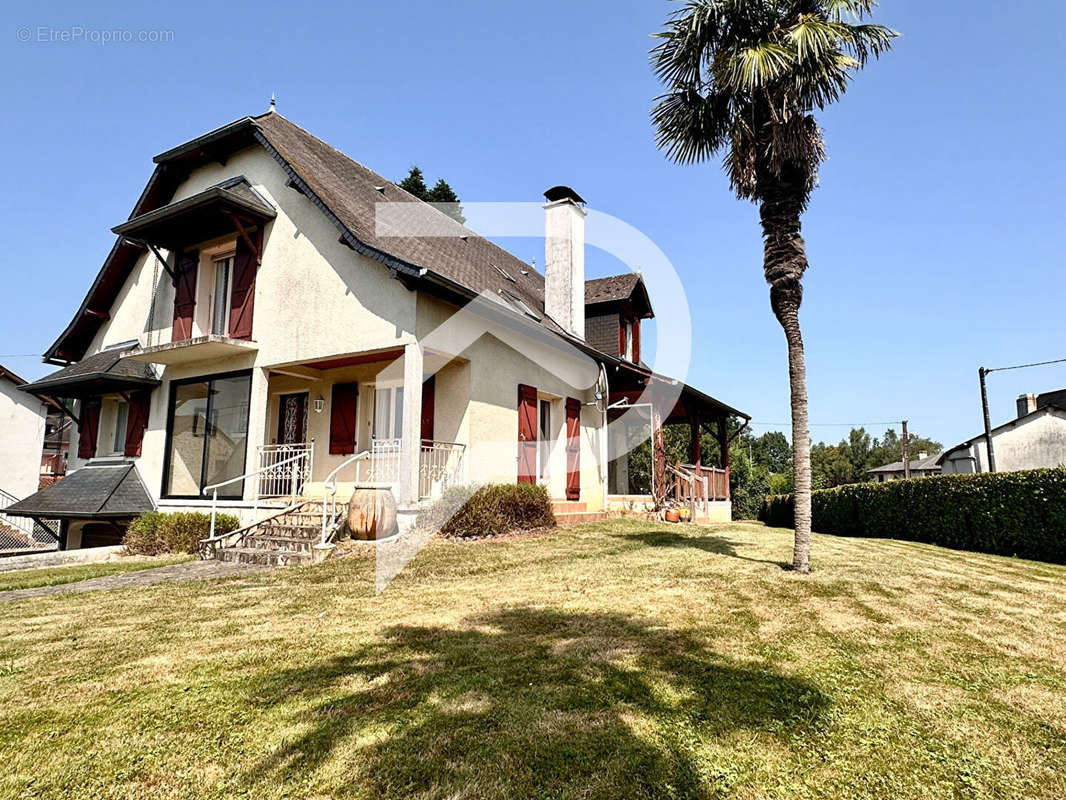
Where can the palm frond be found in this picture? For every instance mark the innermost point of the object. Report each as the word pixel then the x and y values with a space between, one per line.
pixel 758 65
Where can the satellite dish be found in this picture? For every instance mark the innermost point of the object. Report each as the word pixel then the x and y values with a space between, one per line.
pixel 601 391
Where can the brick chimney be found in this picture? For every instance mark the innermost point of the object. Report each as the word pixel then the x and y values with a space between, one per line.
pixel 564 259
pixel 1026 404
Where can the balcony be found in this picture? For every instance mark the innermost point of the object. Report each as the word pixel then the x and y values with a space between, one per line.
pixel 187 351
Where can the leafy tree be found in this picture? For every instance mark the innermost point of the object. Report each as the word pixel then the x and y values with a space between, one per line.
pixel 441 193
pixel 743 77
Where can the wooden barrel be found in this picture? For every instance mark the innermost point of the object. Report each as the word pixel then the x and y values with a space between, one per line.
pixel 372 513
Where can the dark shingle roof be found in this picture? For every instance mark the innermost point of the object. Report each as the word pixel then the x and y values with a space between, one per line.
pixel 95 491
pixel 96 372
pixel 615 287
pixel 351 192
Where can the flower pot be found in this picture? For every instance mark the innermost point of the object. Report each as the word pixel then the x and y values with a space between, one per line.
pixel 672 515
pixel 372 513
pixel 685 514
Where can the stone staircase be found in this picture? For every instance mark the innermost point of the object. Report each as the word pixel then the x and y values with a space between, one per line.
pixel 288 539
pixel 572 512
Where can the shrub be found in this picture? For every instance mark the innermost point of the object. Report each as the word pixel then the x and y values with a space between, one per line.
pixel 489 510
pixel 155 533
pixel 1006 513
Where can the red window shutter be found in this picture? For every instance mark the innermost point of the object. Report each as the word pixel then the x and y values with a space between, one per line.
pixel 185 269
pixel 342 418
pixel 527 434
pixel 573 449
pixel 429 392
pixel 621 337
pixel 136 423
pixel 90 424
pixel 242 295
pixel 636 341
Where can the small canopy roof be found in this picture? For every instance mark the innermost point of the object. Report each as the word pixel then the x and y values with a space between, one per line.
pixel 102 373
pixel 207 215
pixel 108 490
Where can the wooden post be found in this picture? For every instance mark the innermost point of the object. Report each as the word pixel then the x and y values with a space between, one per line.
pixel 906 453
pixel 981 373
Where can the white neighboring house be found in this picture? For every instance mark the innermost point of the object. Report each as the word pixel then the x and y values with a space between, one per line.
pixel 1036 438
pixel 922 467
pixel 22 422
pixel 21 436
pixel 255 314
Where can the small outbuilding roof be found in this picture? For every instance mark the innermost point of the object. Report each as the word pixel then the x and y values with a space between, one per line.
pixel 106 371
pixel 110 490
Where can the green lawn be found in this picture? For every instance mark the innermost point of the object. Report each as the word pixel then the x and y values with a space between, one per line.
pixel 615 660
pixel 52 576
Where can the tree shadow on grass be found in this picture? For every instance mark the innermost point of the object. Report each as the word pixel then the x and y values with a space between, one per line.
pixel 523 702
pixel 710 544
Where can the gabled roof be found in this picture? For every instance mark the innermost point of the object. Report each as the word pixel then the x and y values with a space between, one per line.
pixel 1050 408
pixel 96 491
pixel 11 376
pixel 628 286
pixel 920 464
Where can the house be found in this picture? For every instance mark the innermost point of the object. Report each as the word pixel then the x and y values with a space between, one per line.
pixel 21 436
pixel 1035 438
pixel 257 335
pixel 922 467
pixel 57 428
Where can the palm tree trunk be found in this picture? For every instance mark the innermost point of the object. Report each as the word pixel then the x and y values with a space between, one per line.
pixel 784 262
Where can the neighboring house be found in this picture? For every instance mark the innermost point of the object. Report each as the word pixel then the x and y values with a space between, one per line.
pixel 21 435
pixel 1035 438
pixel 22 418
pixel 255 314
pixel 57 429
pixel 922 467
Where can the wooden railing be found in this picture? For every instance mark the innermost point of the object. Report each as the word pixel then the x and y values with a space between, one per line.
pixel 696 486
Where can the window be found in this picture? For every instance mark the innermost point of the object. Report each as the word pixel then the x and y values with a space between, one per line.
pixel 627 328
pixel 220 301
pixel 544 440
pixel 207 435
pixel 122 415
pixel 388 412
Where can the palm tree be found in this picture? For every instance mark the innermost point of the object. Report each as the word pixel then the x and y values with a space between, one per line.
pixel 743 77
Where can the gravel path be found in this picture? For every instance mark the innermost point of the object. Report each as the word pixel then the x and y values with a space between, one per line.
pixel 186 571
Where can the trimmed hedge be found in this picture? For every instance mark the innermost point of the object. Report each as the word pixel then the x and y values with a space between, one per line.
pixel 489 510
pixel 1005 513
pixel 155 533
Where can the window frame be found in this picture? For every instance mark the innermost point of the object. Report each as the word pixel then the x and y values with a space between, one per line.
pixel 395 391
pixel 208 416
pixel 118 438
pixel 223 259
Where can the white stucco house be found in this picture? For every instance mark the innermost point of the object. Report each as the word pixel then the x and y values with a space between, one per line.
pixel 1034 439
pixel 21 436
pixel 256 332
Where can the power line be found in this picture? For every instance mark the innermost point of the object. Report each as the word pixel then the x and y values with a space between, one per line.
pixel 829 424
pixel 1025 366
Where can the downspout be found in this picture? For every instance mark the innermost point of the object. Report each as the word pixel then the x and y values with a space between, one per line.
pixel 605 472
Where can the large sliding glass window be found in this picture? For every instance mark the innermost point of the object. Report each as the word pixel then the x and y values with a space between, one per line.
pixel 208 435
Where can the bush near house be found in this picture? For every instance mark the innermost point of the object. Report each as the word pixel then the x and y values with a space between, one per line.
pixel 489 510
pixel 1007 513
pixel 155 533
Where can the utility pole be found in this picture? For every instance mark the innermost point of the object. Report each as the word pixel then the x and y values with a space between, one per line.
pixel 981 372
pixel 906 453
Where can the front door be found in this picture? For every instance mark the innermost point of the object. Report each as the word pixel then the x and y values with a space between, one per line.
pixel 292 430
pixel 292 418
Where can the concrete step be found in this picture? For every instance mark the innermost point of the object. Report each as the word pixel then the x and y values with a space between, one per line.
pixel 253 555
pixel 569 507
pixel 275 528
pixel 264 541
pixel 576 517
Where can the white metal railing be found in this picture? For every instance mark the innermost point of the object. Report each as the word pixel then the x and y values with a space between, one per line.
pixel 291 468
pixel 329 493
pixel 384 462
pixel 440 464
pixel 22 533
pixel 279 483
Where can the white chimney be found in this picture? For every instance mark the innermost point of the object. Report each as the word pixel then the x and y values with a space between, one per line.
pixel 564 259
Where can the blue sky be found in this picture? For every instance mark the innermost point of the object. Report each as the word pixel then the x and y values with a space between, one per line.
pixel 934 238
